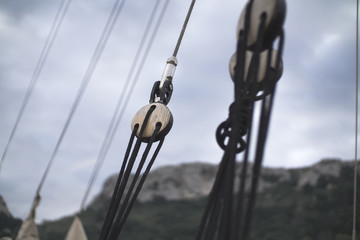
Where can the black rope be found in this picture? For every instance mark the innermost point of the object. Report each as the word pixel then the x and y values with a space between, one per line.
pixel 266 108
pixel 115 121
pixel 59 17
pixel 141 183
pixel 120 220
pixel 253 75
pixel 110 138
pixel 122 179
pixel 108 221
pixel 225 174
pixel 223 215
pixel 356 122
pixel 226 217
pixel 111 229
pixel 264 124
pixel 209 220
pixel 246 118
pixel 116 217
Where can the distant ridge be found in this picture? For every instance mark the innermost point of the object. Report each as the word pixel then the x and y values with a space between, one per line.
pixel 308 203
pixel 194 180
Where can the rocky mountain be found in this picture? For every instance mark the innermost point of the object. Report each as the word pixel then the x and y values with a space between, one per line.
pixel 181 182
pixel 194 180
pixel 310 203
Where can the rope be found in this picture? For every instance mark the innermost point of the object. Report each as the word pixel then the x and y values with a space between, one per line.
pixel 108 137
pixel 226 169
pixel 210 206
pixel 184 28
pixel 223 218
pixel 107 222
pixel 118 6
pixel 356 119
pixel 120 220
pixel 61 12
pixel 119 112
pixel 112 227
pixel 145 174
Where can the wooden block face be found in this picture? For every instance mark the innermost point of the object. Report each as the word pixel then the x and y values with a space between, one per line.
pixel 160 115
pixel 262 64
pixel 275 17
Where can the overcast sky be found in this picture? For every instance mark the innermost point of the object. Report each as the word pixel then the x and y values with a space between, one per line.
pixel 313 116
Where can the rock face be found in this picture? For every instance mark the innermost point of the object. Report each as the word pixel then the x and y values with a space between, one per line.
pixel 291 204
pixel 194 180
pixel 299 199
pixel 312 174
pixel 185 181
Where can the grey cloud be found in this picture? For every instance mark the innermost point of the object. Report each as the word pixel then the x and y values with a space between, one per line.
pixel 310 100
pixel 16 10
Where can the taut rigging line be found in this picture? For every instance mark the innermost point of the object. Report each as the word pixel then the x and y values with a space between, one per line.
pixel 356 121
pixel 114 15
pixel 116 10
pixel 121 105
pixel 150 124
pixel 255 69
pixel 59 17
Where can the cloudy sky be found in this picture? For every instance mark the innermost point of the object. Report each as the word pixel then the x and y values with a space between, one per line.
pixel 313 116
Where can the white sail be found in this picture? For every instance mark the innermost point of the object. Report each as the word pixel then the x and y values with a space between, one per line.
pixel 28 229
pixel 76 231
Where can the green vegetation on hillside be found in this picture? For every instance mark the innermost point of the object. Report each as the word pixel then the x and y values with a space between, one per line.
pixel 284 211
pixel 321 212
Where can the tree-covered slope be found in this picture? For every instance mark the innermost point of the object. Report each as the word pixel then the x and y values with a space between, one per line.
pixel 307 204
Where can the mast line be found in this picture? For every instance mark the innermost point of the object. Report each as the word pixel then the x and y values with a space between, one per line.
pixel 356 120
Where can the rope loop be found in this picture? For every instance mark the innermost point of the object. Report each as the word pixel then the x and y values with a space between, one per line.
pixel 225 129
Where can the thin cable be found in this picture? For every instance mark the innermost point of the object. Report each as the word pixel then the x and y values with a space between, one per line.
pixel 59 17
pixel 119 112
pixel 118 6
pixel 356 119
pixel 184 28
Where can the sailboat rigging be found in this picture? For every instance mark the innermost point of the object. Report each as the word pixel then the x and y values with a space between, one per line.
pixel 149 125
pixel 76 230
pixel 26 232
pixel 255 70
pixel 59 17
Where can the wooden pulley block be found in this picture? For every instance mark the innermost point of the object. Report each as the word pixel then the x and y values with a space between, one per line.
pixel 161 115
pixel 275 16
pixel 262 64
